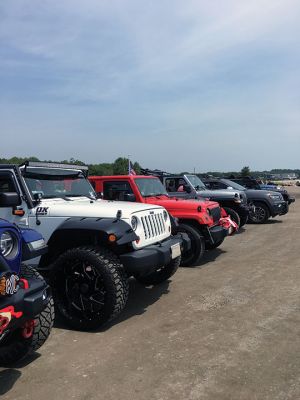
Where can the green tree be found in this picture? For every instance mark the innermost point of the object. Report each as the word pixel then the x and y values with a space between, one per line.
pixel 137 167
pixel 120 166
pixel 245 171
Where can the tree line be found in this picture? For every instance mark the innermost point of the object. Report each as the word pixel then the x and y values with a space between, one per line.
pixel 120 167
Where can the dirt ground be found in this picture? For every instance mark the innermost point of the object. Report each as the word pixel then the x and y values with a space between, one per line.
pixel 228 329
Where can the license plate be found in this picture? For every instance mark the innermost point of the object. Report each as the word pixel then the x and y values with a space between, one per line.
pixel 175 250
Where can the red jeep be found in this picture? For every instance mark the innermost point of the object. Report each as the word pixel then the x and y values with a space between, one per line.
pixel 201 220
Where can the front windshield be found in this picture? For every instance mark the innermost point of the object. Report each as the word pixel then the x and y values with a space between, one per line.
pixel 234 185
pixel 150 187
pixel 50 183
pixel 196 182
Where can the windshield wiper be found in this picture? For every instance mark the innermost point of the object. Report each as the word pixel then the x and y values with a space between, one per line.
pixel 55 197
pixel 81 195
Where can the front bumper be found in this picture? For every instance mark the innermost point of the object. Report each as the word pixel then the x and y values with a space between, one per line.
pixel 144 261
pixel 216 234
pixel 291 200
pixel 280 208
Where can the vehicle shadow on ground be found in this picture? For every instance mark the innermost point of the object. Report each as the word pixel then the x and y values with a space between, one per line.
pixel 269 222
pixel 241 230
pixel 8 378
pixel 274 221
pixel 210 256
pixel 140 298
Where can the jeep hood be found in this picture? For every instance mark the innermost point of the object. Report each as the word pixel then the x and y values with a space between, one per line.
pixel 84 207
pixel 259 194
pixel 228 194
pixel 178 204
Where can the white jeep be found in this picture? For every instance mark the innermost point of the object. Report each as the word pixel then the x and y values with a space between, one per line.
pixel 94 245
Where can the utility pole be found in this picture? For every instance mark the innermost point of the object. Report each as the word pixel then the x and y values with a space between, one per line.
pixel 129 166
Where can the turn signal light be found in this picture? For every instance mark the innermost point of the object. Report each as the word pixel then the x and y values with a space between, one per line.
pixel 20 213
pixel 112 238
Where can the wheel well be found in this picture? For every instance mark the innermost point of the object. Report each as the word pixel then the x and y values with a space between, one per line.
pixel 191 222
pixel 264 203
pixel 65 239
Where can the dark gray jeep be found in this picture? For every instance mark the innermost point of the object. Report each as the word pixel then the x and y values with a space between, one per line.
pixel 266 203
pixel 190 186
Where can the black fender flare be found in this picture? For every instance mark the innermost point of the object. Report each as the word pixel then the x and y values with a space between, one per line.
pixel 103 227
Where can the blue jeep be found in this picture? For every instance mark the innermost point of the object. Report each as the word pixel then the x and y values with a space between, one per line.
pixel 26 304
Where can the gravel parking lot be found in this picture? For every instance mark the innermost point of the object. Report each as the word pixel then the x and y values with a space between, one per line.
pixel 228 329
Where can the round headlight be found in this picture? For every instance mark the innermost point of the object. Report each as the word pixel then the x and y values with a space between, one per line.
pixel 8 244
pixel 134 223
pixel 165 215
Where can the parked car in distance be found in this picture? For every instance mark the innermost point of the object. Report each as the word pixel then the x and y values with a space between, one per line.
pixel 251 183
pixel 265 204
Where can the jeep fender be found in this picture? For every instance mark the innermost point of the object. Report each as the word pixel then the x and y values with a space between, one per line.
pixel 78 231
pixel 103 226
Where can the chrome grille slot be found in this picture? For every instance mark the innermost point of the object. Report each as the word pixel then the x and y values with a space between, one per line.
pixel 158 224
pixel 161 219
pixel 144 227
pixel 150 224
pixel 154 225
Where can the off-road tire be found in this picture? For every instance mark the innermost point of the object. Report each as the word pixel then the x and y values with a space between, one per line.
pixel 14 347
pixel 244 220
pixel 233 215
pixel 105 268
pixel 161 274
pixel 192 257
pixel 261 214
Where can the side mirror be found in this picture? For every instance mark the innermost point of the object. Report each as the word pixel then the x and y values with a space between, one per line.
pixel 99 195
pixel 187 189
pixel 38 195
pixel 10 199
pixel 129 197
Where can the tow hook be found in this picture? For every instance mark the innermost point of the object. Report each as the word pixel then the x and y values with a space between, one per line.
pixel 4 322
pixel 27 329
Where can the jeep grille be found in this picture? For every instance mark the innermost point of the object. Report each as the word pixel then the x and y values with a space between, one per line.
pixel 153 225
pixel 216 213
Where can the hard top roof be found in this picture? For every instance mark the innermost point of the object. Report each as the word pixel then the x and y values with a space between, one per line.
pixel 122 176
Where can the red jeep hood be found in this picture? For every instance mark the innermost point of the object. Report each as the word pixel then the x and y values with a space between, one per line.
pixel 179 204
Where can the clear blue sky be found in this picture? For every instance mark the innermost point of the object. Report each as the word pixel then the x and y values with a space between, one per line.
pixel 177 84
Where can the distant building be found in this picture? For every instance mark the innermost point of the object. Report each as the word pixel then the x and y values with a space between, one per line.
pixel 288 176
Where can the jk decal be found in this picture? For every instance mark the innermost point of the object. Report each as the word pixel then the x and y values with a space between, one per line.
pixel 42 210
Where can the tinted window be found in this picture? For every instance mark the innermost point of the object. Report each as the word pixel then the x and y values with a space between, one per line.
pixel 6 183
pixel 115 190
pixel 233 184
pixel 150 187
